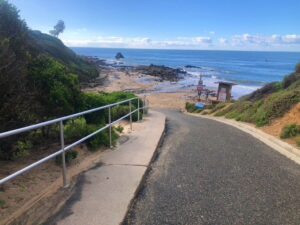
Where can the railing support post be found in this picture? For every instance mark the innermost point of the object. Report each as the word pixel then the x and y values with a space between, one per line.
pixel 62 142
pixel 138 109
pixel 144 105
pixel 110 127
pixel 130 116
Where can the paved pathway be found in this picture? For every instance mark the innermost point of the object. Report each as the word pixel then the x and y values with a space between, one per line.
pixel 211 173
pixel 103 194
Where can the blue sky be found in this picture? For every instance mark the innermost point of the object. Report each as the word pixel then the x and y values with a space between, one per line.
pixel 171 24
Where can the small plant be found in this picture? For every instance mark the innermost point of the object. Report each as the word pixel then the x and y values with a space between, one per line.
pixel 3 204
pixel 101 139
pixel 217 107
pixel 22 149
pixel 190 107
pixel 298 141
pixel 119 129
pixel 291 130
pixel 69 156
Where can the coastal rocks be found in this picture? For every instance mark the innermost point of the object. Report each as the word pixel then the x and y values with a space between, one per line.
pixel 163 72
pixel 94 60
pixel 119 56
pixel 191 66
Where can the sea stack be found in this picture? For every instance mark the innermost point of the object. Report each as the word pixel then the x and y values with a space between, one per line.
pixel 119 55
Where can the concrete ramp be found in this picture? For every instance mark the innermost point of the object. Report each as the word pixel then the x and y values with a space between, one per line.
pixel 105 192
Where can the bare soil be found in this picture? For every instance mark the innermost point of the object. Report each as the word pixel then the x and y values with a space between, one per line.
pixel 291 117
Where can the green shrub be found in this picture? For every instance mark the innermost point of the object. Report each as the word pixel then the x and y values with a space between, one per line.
pixel 22 149
pixel 190 107
pixel 101 139
pixel 122 110
pixel 76 129
pixel 93 100
pixel 291 130
pixel 298 142
pixel 119 129
pixel 3 204
pixel 290 79
pixel 223 111
pixel 217 107
pixel 69 156
pixel 279 103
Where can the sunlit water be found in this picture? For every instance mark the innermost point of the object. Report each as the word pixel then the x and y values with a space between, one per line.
pixel 249 70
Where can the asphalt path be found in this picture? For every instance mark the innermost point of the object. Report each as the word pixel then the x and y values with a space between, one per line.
pixel 211 173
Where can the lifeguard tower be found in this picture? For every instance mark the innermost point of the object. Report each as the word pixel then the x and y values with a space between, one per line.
pixel 224 91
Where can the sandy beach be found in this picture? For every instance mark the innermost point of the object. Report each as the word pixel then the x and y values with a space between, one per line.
pixel 144 85
pixel 159 95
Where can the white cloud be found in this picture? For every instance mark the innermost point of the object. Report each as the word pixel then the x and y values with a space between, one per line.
pixel 102 41
pixel 203 40
pixel 291 39
pixel 236 42
pixel 265 40
pixel 140 42
pixel 223 41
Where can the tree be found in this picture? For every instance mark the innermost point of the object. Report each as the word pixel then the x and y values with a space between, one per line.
pixel 58 28
pixel 59 87
pixel 13 67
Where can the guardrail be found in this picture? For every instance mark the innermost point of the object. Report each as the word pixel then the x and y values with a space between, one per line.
pixel 62 139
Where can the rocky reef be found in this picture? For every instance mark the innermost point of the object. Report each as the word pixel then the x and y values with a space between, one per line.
pixel 163 72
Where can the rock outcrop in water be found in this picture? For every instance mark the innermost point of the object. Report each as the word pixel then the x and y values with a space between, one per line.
pixel 191 66
pixel 163 72
pixel 119 55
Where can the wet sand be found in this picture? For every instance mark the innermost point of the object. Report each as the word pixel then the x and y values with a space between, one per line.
pixel 150 86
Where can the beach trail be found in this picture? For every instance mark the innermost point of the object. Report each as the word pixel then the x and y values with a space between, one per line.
pixel 211 173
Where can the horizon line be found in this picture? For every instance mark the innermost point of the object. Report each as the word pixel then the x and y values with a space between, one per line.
pixel 174 49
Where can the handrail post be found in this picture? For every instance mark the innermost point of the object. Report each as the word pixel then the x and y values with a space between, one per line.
pixel 62 142
pixel 144 105
pixel 130 116
pixel 110 127
pixel 138 109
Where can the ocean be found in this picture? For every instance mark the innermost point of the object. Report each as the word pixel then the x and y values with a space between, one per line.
pixel 250 70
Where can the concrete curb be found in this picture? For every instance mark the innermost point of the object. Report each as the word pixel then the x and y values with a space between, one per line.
pixel 273 142
pixel 143 180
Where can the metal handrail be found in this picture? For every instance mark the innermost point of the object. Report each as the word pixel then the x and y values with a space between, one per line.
pixel 63 148
pixel 46 123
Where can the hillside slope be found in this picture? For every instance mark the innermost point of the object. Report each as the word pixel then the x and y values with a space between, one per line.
pixel 41 43
pixel 40 76
pixel 266 104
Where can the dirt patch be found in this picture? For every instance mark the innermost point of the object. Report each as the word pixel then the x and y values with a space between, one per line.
pixel 27 191
pixel 170 100
pixel 293 116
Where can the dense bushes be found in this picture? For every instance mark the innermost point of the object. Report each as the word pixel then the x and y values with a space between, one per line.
pixel 289 131
pixel 60 89
pixel 74 129
pixel 79 128
pixel 93 100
